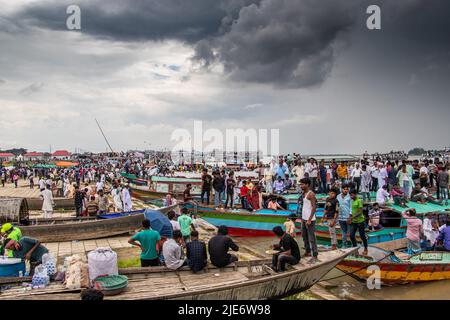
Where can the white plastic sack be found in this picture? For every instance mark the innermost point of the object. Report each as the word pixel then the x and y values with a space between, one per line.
pixel 49 262
pixel 102 261
pixel 40 277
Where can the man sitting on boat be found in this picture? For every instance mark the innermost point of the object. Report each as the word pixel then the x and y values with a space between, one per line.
pixel 274 205
pixel 147 240
pixel 374 217
pixel 172 252
pixel 196 253
pixel 218 248
pixel 289 251
pixel 28 249
pixel 399 196
pixel 169 200
pixel 383 195
pixel 421 195
pixel 279 186
pixel 430 230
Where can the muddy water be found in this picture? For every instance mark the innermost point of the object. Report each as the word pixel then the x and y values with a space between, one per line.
pixel 435 290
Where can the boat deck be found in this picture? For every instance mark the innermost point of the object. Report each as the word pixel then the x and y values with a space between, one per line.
pixel 160 283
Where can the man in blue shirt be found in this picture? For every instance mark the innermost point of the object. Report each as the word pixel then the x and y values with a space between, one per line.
pixel 280 169
pixel 196 253
pixel 444 238
pixel 345 210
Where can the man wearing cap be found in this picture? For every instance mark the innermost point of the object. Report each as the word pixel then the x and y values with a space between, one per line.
pixel 27 249
pixel 10 232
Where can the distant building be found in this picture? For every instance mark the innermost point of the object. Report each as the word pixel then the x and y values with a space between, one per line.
pixel 61 155
pixel 33 156
pixel 7 156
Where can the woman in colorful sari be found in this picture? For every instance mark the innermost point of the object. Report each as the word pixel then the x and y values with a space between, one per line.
pixel 255 198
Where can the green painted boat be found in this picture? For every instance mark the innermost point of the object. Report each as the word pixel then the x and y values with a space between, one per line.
pixel 161 186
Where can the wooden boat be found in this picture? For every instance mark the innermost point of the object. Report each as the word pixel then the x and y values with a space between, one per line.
pixel 240 281
pixel 86 228
pixel 60 203
pixel 132 178
pixel 71 228
pixel 242 223
pixel 161 186
pixel 398 268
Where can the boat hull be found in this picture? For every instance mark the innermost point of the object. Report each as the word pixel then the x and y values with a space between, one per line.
pixel 60 203
pixel 245 280
pixel 86 228
pixel 387 234
pixel 398 273
pixel 83 230
pixel 243 223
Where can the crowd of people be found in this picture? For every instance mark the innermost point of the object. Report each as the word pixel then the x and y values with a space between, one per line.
pixel 351 187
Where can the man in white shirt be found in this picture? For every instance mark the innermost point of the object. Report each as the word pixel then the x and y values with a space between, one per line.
pixel 99 186
pixel 374 172
pixel 299 172
pixel 356 176
pixel 173 255
pixel 312 170
pixel 47 205
pixel 126 198
pixel 41 184
pixel 382 176
pixel 382 195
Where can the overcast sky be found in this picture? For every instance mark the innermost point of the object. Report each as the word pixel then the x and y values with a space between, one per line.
pixel 145 68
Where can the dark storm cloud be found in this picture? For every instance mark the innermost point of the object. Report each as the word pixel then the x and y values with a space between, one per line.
pixel 413 45
pixel 286 42
pixel 133 20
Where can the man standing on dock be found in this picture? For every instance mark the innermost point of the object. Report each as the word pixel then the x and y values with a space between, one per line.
pixel 48 204
pixel 79 197
pixel 309 220
pixel 206 186
pixel 345 210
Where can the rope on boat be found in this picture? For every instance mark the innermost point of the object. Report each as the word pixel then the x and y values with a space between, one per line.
pixel 357 270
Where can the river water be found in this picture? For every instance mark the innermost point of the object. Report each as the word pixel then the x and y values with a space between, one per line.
pixel 433 290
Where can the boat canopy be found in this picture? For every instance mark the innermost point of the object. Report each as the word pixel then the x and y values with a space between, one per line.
pixel 13 210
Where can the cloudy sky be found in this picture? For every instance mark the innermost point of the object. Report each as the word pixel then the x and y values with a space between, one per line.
pixel 145 68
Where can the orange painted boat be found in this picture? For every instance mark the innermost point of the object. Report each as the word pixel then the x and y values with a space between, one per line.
pixel 395 267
